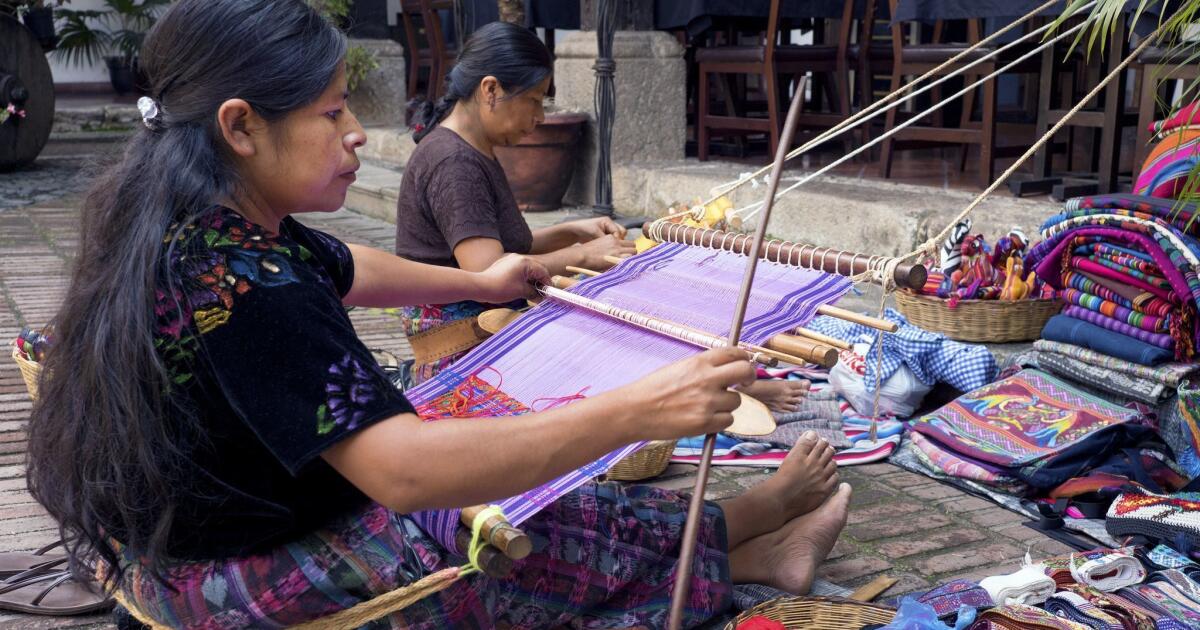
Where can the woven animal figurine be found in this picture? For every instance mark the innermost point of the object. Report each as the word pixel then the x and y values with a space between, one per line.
pixel 951 256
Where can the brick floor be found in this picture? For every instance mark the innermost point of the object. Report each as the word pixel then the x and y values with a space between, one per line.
pixel 901 524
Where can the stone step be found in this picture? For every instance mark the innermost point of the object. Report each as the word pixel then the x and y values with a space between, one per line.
pixel 376 190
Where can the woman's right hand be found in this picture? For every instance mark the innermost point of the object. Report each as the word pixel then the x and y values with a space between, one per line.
pixel 594 251
pixel 690 397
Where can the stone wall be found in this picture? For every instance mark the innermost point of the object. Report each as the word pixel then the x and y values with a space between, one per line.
pixel 380 98
pixel 650 122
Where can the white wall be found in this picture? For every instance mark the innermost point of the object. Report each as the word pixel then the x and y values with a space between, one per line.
pixel 78 74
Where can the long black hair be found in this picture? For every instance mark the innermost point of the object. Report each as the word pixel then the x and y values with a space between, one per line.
pixel 512 54
pixel 108 449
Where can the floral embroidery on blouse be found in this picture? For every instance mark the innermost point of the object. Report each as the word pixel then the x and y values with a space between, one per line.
pixel 214 260
pixel 349 390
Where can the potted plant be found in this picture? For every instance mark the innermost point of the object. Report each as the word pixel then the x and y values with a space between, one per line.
pixel 38 16
pixel 113 34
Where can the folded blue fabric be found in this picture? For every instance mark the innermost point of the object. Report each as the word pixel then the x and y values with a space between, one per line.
pixel 1076 331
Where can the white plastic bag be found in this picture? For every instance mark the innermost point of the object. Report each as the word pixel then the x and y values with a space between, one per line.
pixel 899 395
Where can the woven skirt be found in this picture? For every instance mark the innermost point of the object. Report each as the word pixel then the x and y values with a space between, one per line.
pixel 604 556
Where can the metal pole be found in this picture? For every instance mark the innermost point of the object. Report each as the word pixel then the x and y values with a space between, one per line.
pixel 687 550
pixel 605 103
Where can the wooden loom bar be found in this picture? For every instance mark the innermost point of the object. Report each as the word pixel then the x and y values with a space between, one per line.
pixel 782 347
pixel 824 309
pixel 511 541
pixel 810 256
pixel 492 562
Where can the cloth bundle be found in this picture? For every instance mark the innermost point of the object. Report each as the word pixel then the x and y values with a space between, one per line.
pixel 1029 586
pixel 1126 265
pixel 1076 608
pixel 1106 570
pixel 932 357
pixel 1031 427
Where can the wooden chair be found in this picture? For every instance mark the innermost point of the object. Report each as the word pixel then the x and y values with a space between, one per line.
pixel 442 53
pixel 416 38
pixel 1154 67
pixel 769 60
pixel 916 59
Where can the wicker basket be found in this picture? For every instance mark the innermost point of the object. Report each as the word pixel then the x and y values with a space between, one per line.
pixel 994 321
pixel 29 371
pixel 817 613
pixel 649 461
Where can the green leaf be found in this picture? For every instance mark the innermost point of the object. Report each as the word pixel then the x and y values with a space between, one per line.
pixel 324 421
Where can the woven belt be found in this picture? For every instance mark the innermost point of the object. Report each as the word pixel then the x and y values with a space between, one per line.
pixel 444 341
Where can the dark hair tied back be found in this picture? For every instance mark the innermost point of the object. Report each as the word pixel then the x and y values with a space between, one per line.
pixel 110 454
pixel 512 54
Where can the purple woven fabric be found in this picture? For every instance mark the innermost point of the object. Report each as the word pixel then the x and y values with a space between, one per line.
pixel 558 351
pixel 1099 319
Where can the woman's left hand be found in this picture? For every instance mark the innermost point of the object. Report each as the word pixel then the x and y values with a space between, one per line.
pixel 590 229
pixel 511 277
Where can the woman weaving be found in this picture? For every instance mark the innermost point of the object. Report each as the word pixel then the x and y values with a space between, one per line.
pixel 456 208
pixel 217 442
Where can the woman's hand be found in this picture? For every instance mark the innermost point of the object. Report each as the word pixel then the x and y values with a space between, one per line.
pixel 511 277
pixel 690 397
pixel 592 253
pixel 586 230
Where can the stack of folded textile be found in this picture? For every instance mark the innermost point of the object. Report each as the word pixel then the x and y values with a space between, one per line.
pixel 1149 385
pixel 1027 433
pixel 1126 266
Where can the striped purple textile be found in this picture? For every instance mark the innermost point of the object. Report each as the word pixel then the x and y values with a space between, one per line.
pixel 1099 319
pixel 565 351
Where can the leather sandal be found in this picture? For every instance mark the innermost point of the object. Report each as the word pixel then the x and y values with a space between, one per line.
pixel 13 563
pixel 52 593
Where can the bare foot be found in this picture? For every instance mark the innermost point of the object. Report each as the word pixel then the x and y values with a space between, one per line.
pixel 807 476
pixel 788 557
pixel 779 396
pixel 805 479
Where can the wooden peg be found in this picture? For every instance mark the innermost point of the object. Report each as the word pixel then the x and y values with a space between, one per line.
pixel 586 272
pixel 491 561
pixel 511 541
pixel 858 318
pixel 818 337
pixel 562 282
pixel 616 260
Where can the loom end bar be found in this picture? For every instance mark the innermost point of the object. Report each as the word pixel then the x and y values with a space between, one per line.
pixel 493 563
pixel 806 349
pixel 511 541
pixel 815 336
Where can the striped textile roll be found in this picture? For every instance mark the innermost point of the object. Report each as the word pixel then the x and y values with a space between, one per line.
pixel 1166 169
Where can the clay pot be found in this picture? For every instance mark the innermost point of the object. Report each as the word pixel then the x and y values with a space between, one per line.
pixel 540 167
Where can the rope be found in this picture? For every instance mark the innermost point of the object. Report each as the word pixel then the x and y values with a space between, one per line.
pixel 930 246
pixel 380 605
pixel 869 112
pixel 935 107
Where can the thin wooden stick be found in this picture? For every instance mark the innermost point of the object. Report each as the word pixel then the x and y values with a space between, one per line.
pixel 586 272
pixel 687 551
pixel 825 339
pixel 787 348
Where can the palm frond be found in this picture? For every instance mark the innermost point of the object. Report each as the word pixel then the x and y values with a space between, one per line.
pixel 79 42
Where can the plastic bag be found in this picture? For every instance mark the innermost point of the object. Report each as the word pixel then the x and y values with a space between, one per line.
pixel 899 395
